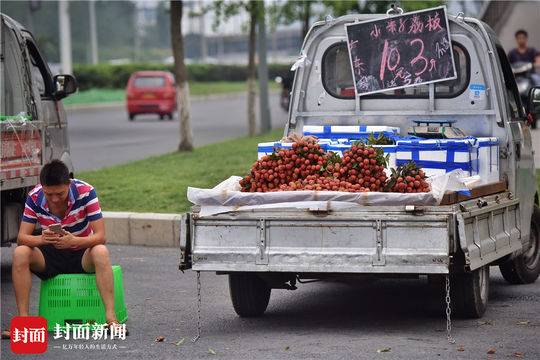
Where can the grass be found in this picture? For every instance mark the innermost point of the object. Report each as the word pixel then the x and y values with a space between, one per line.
pixel 96 96
pixel 159 184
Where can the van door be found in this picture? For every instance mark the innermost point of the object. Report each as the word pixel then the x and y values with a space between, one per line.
pixel 50 110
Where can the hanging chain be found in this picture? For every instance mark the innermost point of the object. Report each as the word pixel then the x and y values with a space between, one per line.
pixel 451 340
pixel 198 308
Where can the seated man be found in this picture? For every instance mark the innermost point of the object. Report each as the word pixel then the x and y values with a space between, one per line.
pixel 76 247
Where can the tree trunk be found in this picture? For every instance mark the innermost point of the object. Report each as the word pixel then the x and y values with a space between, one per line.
pixel 307 16
pixel 252 71
pixel 182 85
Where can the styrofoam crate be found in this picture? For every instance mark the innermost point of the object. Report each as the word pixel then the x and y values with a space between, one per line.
pixel 439 156
pixel 348 131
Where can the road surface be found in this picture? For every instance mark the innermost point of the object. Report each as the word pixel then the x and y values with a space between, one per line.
pixel 105 137
pixel 320 320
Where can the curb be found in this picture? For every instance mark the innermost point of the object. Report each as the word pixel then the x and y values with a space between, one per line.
pixel 142 229
pixel 120 104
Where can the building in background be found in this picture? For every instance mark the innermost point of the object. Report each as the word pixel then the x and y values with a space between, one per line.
pixel 139 30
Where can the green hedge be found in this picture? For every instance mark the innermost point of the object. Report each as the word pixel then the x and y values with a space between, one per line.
pixel 116 76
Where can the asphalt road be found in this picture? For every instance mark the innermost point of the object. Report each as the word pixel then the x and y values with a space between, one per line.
pixel 317 321
pixel 103 136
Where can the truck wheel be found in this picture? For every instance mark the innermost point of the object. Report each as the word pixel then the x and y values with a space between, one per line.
pixel 525 268
pixel 469 293
pixel 249 294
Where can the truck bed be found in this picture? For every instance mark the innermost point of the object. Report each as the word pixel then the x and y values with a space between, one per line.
pixel 368 239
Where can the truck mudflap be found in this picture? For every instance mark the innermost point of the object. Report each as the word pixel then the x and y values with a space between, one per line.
pixel 488 229
pixel 375 240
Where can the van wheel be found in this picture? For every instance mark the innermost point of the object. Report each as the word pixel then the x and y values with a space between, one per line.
pixel 525 268
pixel 169 116
pixel 249 294
pixel 161 116
pixel 469 293
pixel 131 116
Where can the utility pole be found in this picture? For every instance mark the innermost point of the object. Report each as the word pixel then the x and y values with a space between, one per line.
pixel 93 32
pixel 266 124
pixel 65 37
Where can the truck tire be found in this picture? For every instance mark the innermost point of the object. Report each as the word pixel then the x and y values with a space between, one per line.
pixel 525 268
pixel 469 293
pixel 249 294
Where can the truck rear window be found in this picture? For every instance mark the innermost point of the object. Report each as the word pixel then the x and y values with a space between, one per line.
pixel 338 82
pixel 149 81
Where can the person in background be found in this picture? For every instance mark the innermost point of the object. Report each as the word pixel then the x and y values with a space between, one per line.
pixel 523 53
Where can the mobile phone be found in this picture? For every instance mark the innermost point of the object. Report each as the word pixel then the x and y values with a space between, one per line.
pixel 56 228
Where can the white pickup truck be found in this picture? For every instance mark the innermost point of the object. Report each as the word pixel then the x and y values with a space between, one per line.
pixel 455 242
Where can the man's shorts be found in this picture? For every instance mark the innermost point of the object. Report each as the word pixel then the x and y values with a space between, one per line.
pixel 60 261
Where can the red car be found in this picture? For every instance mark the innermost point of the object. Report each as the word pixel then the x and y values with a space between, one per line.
pixel 151 92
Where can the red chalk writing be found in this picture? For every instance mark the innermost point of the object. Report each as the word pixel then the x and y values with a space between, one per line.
pixel 375 32
pixel 400 51
pixel 434 23
pixel 417 25
pixel 401 25
pixel 391 27
pixel 419 57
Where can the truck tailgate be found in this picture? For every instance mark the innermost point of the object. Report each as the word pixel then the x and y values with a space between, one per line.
pixel 370 240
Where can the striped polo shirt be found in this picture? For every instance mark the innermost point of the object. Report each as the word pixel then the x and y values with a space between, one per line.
pixel 83 207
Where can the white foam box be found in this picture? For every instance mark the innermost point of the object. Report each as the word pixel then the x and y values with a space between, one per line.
pixel 439 156
pixel 348 131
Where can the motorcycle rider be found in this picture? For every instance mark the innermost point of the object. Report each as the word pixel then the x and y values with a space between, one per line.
pixel 523 53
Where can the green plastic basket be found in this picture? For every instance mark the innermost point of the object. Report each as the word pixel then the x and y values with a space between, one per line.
pixel 75 299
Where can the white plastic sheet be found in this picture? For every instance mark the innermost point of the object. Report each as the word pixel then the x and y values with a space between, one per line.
pixel 227 196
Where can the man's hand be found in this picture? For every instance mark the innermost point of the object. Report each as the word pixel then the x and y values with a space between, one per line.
pixel 49 237
pixel 67 241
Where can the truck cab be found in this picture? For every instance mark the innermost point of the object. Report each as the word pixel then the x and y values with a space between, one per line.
pixel 33 125
pixel 264 249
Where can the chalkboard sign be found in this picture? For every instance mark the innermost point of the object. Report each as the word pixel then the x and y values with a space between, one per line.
pixel 400 51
